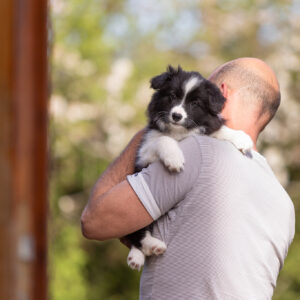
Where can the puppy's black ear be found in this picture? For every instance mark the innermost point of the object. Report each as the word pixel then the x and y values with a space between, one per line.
pixel 215 100
pixel 158 82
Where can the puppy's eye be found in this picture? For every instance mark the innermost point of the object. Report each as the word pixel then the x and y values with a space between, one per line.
pixel 195 103
pixel 172 96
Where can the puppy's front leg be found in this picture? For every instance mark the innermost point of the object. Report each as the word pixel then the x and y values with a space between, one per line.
pixel 147 152
pixel 238 138
pixel 170 153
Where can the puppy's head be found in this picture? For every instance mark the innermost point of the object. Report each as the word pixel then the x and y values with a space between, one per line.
pixel 185 100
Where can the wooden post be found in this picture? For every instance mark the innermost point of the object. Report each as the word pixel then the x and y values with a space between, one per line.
pixel 23 155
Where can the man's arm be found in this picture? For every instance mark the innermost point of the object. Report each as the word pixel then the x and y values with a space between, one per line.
pixel 114 209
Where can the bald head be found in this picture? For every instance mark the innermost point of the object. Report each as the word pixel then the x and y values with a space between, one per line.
pixel 256 83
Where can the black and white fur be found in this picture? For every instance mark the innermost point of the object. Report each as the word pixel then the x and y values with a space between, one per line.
pixel 183 104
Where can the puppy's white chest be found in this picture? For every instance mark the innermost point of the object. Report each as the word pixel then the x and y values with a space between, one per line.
pixel 158 146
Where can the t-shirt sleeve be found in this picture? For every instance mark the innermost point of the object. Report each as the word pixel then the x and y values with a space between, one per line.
pixel 160 190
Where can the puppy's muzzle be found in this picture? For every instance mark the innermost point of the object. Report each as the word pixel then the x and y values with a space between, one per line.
pixel 176 117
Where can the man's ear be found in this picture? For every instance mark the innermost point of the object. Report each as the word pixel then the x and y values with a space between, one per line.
pixel 215 99
pixel 158 82
pixel 224 89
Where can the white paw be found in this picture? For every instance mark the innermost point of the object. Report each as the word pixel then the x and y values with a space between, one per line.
pixel 152 245
pixel 242 141
pixel 174 161
pixel 135 259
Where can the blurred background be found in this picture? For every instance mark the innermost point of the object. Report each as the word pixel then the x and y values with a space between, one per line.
pixel 103 55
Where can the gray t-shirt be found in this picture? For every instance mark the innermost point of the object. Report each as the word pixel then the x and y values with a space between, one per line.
pixel 226 220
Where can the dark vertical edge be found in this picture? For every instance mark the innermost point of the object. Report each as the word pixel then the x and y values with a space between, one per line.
pixel 40 206
pixel 41 150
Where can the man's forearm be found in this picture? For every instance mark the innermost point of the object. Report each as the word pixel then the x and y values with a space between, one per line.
pixel 117 171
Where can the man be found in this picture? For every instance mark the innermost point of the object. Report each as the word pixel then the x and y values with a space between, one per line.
pixel 226 220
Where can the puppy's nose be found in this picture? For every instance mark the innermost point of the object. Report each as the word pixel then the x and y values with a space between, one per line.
pixel 176 117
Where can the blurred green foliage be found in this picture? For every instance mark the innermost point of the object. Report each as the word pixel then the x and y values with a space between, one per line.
pixel 104 53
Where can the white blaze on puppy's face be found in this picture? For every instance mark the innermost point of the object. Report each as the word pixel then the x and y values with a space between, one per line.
pixel 190 85
pixel 178 110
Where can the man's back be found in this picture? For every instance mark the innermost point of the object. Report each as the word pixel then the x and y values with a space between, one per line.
pixel 226 220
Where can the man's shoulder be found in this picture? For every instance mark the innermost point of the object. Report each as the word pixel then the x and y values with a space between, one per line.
pixel 205 143
pixel 199 139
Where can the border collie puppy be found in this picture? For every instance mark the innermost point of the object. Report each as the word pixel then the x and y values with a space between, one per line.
pixel 183 104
